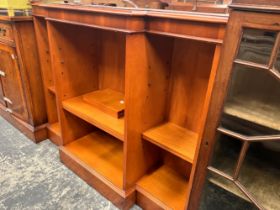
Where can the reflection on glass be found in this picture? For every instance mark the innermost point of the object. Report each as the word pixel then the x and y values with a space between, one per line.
pixel 226 153
pixel 253 101
pixel 277 63
pixel 256 46
pixel 260 174
pixel 219 193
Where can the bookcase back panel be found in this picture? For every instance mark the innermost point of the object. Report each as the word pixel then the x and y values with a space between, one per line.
pixel 111 63
pixel 189 82
pixel 75 57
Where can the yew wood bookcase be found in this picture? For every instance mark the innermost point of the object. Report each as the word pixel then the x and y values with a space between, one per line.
pixel 129 90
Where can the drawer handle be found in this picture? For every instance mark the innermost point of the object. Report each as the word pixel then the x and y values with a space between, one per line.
pixel 3 31
pixel 7 100
pixel 2 73
pixel 9 110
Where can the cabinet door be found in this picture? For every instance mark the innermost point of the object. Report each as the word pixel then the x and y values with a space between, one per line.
pixel 11 83
pixel 244 139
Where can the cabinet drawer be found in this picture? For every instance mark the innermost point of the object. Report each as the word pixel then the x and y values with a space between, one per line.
pixel 6 32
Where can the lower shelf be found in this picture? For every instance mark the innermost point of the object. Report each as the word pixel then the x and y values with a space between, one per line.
pixel 165 187
pixel 54 133
pixel 101 153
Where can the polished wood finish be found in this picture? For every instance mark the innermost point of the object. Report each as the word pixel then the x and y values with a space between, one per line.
pixel 256 5
pixel 175 139
pixel 21 82
pixel 121 199
pixel 79 107
pixel 108 101
pixel 96 150
pixel 47 75
pixel 162 65
pixel 54 133
pixel 165 187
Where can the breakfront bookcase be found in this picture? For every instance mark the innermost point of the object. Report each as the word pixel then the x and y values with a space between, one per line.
pixel 243 125
pixel 127 94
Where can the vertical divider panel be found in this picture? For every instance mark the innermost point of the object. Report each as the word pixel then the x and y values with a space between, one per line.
pixel 145 69
pixel 44 54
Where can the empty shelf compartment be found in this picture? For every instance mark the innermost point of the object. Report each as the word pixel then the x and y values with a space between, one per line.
pixel 165 186
pixel 101 153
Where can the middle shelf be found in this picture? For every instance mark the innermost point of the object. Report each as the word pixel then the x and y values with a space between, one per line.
pixel 175 139
pixel 85 107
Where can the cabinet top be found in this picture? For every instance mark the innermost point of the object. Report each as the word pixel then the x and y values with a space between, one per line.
pixel 140 12
pixel 256 5
pixel 15 18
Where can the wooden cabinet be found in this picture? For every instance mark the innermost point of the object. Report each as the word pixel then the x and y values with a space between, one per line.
pixel 243 125
pixel 21 95
pixel 129 93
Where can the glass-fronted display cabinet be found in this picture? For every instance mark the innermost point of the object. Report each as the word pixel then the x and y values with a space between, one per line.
pixel 244 171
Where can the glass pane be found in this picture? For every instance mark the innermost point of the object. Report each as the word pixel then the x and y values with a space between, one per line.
pixel 253 101
pixel 256 46
pixel 260 173
pixel 221 194
pixel 277 63
pixel 226 153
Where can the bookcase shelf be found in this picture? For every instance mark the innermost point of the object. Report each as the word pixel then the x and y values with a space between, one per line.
pixel 166 187
pixel 95 150
pixel 81 108
pixel 107 100
pixel 175 139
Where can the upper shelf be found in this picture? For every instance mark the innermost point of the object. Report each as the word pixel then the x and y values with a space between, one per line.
pixel 207 27
pixel 92 114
